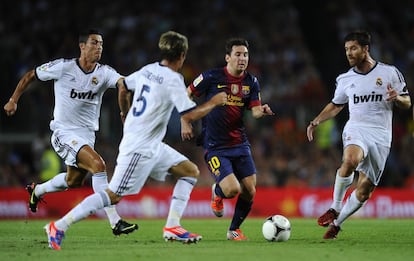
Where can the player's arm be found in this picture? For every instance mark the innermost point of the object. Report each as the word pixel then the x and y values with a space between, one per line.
pixel 190 92
pixel 11 106
pixel 330 111
pixel 401 101
pixel 124 98
pixel 261 110
pixel 199 112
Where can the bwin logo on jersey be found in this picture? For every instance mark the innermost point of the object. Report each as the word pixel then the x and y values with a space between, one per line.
pixel 368 98
pixel 82 95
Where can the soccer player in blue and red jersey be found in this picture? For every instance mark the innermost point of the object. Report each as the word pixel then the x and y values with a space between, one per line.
pixel 224 138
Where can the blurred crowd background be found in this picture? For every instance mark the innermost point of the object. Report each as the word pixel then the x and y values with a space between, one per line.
pixel 296 51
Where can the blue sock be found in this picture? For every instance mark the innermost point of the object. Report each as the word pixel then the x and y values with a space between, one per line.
pixel 241 211
pixel 219 192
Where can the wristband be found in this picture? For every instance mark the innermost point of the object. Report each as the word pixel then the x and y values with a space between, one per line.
pixel 313 124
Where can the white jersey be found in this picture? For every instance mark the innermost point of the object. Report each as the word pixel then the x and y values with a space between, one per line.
pixel 366 97
pixel 157 90
pixel 78 95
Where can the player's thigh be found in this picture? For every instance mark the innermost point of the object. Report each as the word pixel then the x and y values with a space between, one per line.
pixel 90 160
pixel 130 174
pixel 169 161
pixel 230 185
pixel 220 166
pixel 185 169
pixel 67 144
pixel 373 164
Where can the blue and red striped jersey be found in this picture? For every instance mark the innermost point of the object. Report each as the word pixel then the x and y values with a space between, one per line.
pixel 223 127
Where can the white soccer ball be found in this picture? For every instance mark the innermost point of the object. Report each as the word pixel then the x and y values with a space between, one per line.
pixel 276 228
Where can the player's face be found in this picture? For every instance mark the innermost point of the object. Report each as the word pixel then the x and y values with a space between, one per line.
pixel 93 48
pixel 355 53
pixel 238 59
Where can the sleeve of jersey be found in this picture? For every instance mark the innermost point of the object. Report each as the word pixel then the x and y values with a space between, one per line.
pixel 255 99
pixel 340 96
pixel 179 96
pixel 113 76
pixel 130 81
pixel 50 71
pixel 399 82
pixel 197 85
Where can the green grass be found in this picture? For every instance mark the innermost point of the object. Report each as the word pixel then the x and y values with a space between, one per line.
pixel 91 239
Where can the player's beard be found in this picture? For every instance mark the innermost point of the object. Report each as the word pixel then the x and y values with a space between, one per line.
pixel 96 57
pixel 241 68
pixel 356 61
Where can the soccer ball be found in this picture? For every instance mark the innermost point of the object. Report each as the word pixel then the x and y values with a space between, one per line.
pixel 276 228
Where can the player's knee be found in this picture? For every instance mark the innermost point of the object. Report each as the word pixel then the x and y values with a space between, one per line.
pixel 248 193
pixel 232 191
pixel 252 192
pixel 362 195
pixel 98 165
pixel 349 165
pixel 193 171
pixel 74 182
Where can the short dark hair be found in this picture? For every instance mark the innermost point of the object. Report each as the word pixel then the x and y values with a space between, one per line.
pixel 83 36
pixel 235 42
pixel 172 45
pixel 362 37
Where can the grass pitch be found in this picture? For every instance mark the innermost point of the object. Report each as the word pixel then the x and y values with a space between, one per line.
pixel 92 239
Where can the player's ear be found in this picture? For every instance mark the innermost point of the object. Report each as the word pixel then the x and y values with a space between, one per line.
pixel 81 46
pixel 227 58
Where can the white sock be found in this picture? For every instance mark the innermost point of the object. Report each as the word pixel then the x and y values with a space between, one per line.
pixel 180 197
pixel 99 183
pixel 341 186
pixel 84 209
pixel 350 207
pixel 57 183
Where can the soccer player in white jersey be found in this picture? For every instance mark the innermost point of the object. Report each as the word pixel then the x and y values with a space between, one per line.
pixel 79 85
pixel 158 88
pixel 371 89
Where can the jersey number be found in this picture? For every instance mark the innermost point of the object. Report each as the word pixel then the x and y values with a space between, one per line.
pixel 214 164
pixel 141 99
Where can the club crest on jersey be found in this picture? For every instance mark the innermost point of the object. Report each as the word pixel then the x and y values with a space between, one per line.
pixel 245 90
pixel 94 81
pixel 379 82
pixel 234 89
pixel 74 142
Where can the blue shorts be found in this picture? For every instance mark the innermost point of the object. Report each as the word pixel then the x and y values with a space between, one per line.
pixel 223 162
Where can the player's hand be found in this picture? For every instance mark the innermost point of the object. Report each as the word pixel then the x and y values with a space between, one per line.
pixel 391 93
pixel 267 110
pixel 220 99
pixel 186 130
pixel 123 117
pixel 309 130
pixel 10 107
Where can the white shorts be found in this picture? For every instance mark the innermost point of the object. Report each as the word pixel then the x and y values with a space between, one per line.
pixel 132 171
pixel 375 155
pixel 68 143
